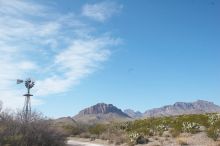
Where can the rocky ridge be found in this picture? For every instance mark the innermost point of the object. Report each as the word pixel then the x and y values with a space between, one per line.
pixel 180 108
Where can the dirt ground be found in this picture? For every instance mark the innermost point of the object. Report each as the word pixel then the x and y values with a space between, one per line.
pixel 184 139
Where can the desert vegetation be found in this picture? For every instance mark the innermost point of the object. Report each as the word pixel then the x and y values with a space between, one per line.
pixel 142 130
pixel 40 131
pixel 37 131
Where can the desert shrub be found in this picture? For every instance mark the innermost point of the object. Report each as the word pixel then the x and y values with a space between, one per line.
pixel 129 131
pixel 140 127
pixel 174 132
pixel 176 125
pixel 37 131
pixel 115 134
pixel 124 125
pixel 213 118
pixel 213 133
pixel 190 127
pixel 70 129
pixel 214 130
pixel 133 136
pixel 200 119
pixel 40 133
pixel 161 128
pixel 73 130
pixel 188 123
pixel 85 135
pixel 150 126
pixel 97 129
pixel 118 137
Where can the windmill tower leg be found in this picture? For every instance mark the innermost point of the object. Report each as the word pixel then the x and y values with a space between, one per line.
pixel 27 105
pixel 27 108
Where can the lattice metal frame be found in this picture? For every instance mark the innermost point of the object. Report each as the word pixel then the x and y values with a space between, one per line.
pixel 27 104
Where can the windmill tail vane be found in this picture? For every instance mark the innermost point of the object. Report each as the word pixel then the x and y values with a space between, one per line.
pixel 19 81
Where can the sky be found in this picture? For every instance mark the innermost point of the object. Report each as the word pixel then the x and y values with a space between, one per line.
pixel 132 54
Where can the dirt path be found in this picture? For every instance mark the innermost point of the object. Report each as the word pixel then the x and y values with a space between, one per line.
pixel 79 143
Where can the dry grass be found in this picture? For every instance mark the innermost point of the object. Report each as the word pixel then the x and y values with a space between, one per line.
pixel 182 141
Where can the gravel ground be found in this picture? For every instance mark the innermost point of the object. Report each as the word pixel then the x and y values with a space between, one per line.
pixel 79 143
pixel 199 139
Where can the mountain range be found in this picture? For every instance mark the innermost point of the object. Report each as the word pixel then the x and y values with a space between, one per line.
pixel 181 108
pixel 106 113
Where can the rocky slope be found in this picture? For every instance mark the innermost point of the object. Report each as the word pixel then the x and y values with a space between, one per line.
pixel 180 108
pixel 133 114
pixel 101 113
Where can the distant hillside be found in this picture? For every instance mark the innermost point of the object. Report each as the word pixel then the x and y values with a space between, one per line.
pixel 106 113
pixel 64 121
pixel 133 114
pixel 101 113
pixel 180 108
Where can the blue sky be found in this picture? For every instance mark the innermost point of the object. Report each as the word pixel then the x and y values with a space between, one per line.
pixel 133 54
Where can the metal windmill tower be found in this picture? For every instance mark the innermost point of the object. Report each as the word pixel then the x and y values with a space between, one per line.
pixel 27 104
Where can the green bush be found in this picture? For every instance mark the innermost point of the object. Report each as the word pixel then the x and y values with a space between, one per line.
pixel 157 126
pixel 97 129
pixel 175 124
pixel 214 129
pixel 213 133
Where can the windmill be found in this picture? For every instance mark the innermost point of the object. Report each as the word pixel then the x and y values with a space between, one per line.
pixel 27 104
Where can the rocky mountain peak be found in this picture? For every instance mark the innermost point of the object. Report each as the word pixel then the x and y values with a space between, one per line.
pixel 101 113
pixel 203 102
pixel 101 108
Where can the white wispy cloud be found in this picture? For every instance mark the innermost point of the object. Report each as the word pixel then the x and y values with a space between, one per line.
pixel 101 11
pixel 58 50
pixel 20 8
pixel 81 58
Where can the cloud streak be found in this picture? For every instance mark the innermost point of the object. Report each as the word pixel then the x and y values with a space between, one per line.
pixel 101 11
pixel 56 49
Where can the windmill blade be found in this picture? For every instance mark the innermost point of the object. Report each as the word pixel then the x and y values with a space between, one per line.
pixel 19 81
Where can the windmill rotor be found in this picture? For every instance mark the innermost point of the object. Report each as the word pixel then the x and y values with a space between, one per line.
pixel 29 83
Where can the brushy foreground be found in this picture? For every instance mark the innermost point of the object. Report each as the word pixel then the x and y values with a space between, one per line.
pixel 140 131
pixel 15 130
